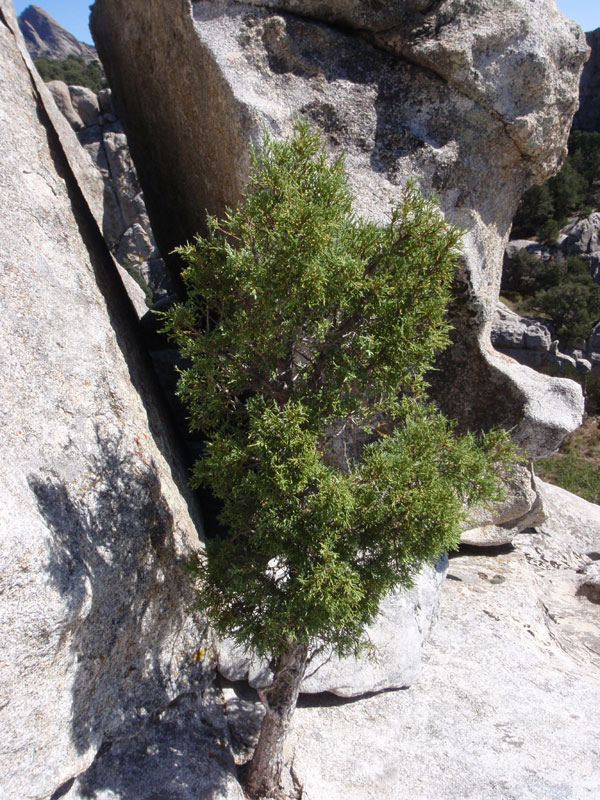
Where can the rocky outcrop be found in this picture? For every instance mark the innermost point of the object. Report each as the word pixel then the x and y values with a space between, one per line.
pixel 582 238
pixel 588 115
pixel 97 646
pixel 45 37
pixel 125 224
pixel 530 341
pixel 443 94
pixel 508 682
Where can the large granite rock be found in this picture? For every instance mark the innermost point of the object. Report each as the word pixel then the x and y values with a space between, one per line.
pixel 443 94
pixel 588 115
pixel 96 642
pixel 62 97
pixel 582 238
pixel 506 703
pixel 473 101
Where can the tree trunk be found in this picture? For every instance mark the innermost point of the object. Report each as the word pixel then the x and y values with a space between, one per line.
pixel 262 778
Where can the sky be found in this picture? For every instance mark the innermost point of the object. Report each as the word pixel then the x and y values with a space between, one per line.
pixel 73 15
pixel 585 12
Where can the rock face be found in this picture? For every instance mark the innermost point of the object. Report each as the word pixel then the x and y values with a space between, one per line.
pixel 509 678
pixel 45 37
pixel 582 238
pixel 96 643
pixel 120 201
pixel 443 94
pixel 588 116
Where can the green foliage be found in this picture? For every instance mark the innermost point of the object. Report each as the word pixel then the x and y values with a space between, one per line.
pixel 304 325
pixel 564 291
pixel 527 274
pixel 535 208
pixel 573 304
pixel 569 191
pixel 548 232
pixel 73 70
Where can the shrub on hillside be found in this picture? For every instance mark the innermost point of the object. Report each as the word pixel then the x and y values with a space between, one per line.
pixel 73 70
pixel 570 191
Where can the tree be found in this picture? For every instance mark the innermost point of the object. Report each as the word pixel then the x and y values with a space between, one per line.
pixel 535 208
pixel 527 273
pixel 73 70
pixel 308 332
pixel 569 192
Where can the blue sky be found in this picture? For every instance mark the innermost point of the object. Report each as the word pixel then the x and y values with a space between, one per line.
pixel 585 12
pixel 74 14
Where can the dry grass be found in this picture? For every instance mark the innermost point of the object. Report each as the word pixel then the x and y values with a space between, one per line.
pixel 576 466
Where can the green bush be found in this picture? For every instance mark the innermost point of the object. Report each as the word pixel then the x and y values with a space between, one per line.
pixel 573 306
pixel 309 331
pixel 548 232
pixel 73 70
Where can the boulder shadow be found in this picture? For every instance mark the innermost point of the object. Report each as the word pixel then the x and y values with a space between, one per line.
pixel 141 693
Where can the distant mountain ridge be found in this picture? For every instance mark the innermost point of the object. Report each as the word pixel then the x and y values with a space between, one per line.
pixel 45 37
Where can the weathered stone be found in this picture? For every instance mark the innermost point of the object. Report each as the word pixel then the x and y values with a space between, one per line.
pixel 136 246
pixel 155 276
pixel 535 248
pixel 96 641
pixel 560 361
pixel 62 98
pixel 537 337
pixel 508 333
pixel 593 343
pixel 583 237
pixel 445 98
pixel 105 101
pixel 520 508
pixel 396 636
pixel 583 365
pixel 119 203
pixel 181 754
pixel 488 536
pixel 590 583
pixel 85 103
